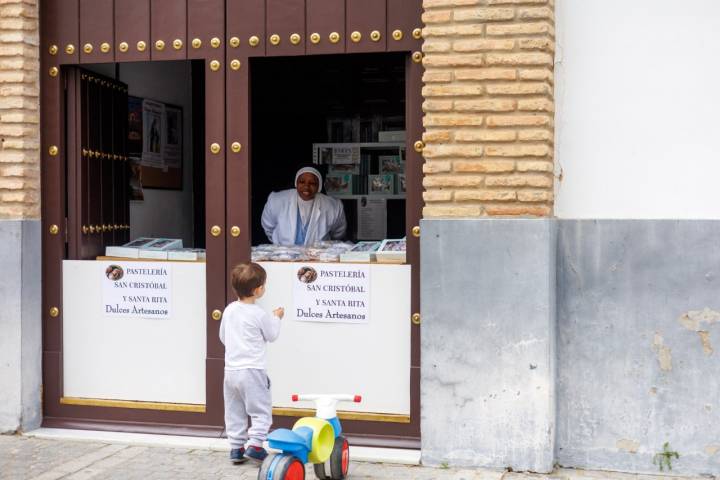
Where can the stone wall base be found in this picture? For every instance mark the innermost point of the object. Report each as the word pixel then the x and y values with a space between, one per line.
pixel 583 343
pixel 488 343
pixel 20 325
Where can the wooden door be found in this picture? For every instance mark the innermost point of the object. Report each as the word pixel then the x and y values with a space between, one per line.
pixel 97 163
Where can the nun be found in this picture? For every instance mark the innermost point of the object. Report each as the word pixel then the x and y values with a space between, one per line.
pixel 302 215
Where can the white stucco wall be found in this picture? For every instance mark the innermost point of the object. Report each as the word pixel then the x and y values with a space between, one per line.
pixel 637 123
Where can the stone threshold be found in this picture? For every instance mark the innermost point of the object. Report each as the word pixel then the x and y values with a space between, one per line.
pixel 363 454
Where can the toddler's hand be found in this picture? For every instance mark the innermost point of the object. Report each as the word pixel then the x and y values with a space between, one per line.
pixel 279 312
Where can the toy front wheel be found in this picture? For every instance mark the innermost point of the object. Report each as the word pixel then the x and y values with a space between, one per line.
pixel 337 466
pixel 281 467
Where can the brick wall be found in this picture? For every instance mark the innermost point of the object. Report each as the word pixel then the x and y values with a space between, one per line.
pixel 488 107
pixel 19 110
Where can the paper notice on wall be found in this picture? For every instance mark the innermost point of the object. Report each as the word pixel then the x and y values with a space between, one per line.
pixel 331 293
pixel 153 113
pixel 372 218
pixel 136 289
pixel 172 136
pixel 345 155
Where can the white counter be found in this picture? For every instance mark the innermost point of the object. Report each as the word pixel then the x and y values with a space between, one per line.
pixel 371 359
pixel 131 358
pixel 118 357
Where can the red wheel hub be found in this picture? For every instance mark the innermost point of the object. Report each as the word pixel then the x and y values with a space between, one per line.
pixel 296 471
pixel 345 457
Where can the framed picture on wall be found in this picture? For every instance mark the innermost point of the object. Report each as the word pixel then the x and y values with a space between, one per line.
pixel 155 132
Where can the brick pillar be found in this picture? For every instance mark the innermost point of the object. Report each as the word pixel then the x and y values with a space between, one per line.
pixel 488 107
pixel 20 323
pixel 488 285
pixel 19 110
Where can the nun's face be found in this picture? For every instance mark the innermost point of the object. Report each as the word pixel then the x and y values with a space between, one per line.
pixel 307 186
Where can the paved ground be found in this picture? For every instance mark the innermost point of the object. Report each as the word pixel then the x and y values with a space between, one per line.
pixel 33 458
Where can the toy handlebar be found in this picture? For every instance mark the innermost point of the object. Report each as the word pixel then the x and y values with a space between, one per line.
pixel 337 397
pixel 326 405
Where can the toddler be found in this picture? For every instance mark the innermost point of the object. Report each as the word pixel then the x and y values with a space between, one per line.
pixel 245 329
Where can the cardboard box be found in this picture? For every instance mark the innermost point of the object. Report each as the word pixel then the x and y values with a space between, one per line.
pixel 392 136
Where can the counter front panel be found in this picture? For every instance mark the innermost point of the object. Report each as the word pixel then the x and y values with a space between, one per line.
pixel 370 357
pixel 154 354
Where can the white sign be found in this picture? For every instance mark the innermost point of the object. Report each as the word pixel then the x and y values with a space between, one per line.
pixel 153 113
pixel 332 293
pixel 372 218
pixel 135 289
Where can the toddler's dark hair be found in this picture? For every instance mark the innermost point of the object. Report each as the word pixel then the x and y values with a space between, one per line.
pixel 246 277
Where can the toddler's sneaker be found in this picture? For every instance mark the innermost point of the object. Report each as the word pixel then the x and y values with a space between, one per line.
pixel 256 453
pixel 237 455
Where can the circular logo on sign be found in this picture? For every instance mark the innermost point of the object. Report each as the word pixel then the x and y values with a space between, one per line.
pixel 114 272
pixel 307 274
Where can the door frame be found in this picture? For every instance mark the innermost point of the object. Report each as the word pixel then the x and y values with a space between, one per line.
pixel 238 115
pixel 227 169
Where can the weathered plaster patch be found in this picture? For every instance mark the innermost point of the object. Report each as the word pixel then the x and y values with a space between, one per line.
pixel 664 353
pixel 705 340
pixel 694 319
pixel 630 446
pixel 712 449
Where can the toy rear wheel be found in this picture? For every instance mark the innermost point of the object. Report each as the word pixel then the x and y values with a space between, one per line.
pixel 265 467
pixel 338 465
pixel 287 467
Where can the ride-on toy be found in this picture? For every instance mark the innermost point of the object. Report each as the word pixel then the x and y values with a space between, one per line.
pixel 317 440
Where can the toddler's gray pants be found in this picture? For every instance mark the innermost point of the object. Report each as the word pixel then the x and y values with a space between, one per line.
pixel 247 393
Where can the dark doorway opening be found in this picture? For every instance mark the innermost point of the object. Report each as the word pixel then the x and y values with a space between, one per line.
pixel 297 102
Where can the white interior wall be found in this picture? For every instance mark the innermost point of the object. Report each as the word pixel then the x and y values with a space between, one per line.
pixel 164 213
pixel 636 115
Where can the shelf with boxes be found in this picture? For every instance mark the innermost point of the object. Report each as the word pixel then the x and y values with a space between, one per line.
pixel 363 168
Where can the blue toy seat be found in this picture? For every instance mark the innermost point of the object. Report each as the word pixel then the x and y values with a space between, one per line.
pixel 297 442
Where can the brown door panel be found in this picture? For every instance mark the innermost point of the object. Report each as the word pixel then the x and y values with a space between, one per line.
pixel 206 28
pixel 106 161
pixel 285 31
pixel 168 20
pixel 96 115
pixel 245 25
pixel 215 203
pixel 214 403
pixel 414 198
pixel 132 30
pixel 365 28
pixel 96 31
pixel 53 205
pixel 94 174
pixel 326 20
pixel 238 167
pixel 73 151
pixel 404 16
pixel 61 27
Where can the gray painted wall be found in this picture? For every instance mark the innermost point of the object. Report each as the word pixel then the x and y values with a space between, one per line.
pixel 637 325
pixel 639 330
pixel 20 325
pixel 488 373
